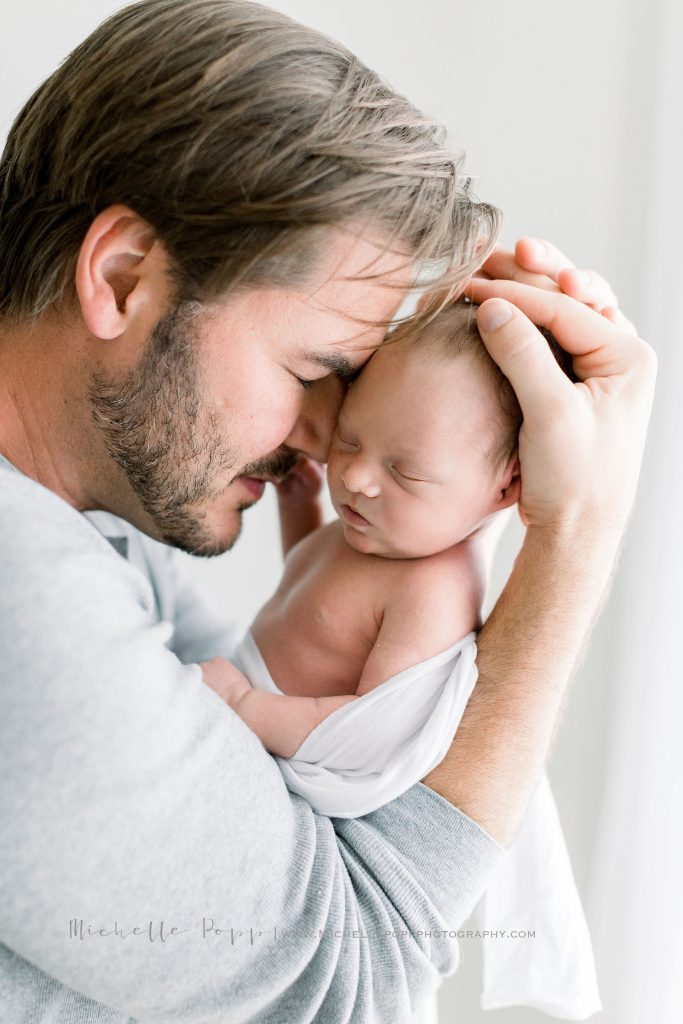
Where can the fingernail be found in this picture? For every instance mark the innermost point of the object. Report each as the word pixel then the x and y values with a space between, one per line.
pixel 538 249
pixel 493 314
pixel 584 276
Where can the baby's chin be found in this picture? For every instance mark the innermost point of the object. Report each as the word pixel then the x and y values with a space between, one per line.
pixel 373 543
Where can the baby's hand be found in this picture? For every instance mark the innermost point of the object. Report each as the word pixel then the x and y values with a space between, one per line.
pixel 301 510
pixel 303 485
pixel 223 678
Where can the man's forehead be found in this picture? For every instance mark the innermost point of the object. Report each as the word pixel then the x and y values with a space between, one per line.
pixel 361 258
pixel 362 281
pixel 357 321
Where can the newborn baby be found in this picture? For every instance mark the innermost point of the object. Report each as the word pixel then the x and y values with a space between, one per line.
pixel 380 608
pixel 423 458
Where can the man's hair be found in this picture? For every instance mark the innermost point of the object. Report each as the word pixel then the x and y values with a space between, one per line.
pixel 238 134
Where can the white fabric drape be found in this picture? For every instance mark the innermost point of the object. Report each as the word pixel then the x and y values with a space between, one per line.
pixel 636 902
pixel 372 750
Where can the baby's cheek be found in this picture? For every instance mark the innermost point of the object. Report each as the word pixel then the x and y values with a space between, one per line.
pixel 429 526
pixel 410 524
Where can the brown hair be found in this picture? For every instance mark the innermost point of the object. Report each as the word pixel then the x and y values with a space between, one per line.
pixel 237 134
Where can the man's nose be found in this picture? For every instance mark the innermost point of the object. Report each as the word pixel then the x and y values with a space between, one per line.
pixel 358 477
pixel 312 432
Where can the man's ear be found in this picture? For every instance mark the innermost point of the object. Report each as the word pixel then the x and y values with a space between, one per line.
pixel 510 484
pixel 120 270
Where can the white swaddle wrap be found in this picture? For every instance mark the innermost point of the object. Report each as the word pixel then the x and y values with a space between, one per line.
pixel 375 748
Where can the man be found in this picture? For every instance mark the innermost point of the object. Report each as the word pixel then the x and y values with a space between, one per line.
pixel 208 215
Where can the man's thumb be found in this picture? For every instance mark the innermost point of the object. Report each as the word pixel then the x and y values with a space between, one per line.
pixel 523 355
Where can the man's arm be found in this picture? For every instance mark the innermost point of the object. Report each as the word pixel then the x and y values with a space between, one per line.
pixel 581 447
pixel 130 793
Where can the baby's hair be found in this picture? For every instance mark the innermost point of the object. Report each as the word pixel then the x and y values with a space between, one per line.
pixel 454 331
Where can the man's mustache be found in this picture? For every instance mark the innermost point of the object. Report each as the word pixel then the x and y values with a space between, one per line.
pixel 278 465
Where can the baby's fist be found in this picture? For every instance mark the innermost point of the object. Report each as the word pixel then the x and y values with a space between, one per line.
pixel 303 485
pixel 225 680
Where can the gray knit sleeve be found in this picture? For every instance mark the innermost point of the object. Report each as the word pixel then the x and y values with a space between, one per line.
pixel 132 798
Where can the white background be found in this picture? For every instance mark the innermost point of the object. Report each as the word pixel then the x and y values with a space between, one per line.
pixel 554 104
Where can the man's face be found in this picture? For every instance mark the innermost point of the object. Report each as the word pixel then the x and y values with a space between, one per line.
pixel 216 405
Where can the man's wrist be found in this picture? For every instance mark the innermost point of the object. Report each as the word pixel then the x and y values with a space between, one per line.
pixel 527 650
pixel 591 544
pixel 565 567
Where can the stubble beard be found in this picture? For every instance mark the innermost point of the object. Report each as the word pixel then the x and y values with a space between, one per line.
pixel 155 427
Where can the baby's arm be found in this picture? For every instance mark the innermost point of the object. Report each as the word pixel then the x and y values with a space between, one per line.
pixel 281 722
pixel 431 603
pixel 299 503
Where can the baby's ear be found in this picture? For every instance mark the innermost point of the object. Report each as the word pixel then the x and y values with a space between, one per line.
pixel 510 483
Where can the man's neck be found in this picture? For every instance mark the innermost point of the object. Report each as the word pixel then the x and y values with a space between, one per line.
pixel 41 414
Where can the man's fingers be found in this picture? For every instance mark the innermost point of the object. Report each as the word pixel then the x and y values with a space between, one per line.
pixel 601 348
pixel 548 268
pixel 541 256
pixel 618 318
pixel 588 287
pixel 503 265
pixel 524 356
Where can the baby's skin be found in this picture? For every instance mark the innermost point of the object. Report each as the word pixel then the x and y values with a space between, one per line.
pixel 399 576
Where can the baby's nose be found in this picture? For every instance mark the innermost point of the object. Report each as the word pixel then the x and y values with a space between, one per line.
pixel 358 480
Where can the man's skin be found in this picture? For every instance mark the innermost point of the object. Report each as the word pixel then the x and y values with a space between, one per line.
pixel 580 447
pixel 252 351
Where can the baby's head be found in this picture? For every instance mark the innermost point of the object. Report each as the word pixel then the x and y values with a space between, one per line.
pixel 425 450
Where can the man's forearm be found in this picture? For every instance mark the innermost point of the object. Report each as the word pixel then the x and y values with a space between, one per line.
pixel 527 650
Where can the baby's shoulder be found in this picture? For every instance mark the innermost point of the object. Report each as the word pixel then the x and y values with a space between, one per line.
pixel 461 562
pixel 450 581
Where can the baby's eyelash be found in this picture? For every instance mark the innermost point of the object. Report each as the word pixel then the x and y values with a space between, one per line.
pixel 343 440
pixel 405 476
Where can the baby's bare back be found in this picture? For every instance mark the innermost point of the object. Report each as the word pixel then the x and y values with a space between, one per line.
pixel 318 631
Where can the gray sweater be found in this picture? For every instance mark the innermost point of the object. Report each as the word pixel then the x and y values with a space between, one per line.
pixel 153 865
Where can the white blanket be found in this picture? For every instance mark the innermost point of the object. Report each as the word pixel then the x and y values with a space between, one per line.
pixel 375 748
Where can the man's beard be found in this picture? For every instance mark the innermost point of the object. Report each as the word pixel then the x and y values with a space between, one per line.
pixel 155 428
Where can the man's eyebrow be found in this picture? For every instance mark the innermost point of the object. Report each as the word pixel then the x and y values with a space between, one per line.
pixel 336 363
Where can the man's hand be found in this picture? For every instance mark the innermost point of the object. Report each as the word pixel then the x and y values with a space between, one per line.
pixel 541 264
pixel 580 449
pixel 581 444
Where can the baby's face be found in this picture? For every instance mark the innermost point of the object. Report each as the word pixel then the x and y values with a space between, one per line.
pixel 408 470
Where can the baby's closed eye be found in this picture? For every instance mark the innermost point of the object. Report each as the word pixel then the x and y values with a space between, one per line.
pixel 413 477
pixel 344 441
